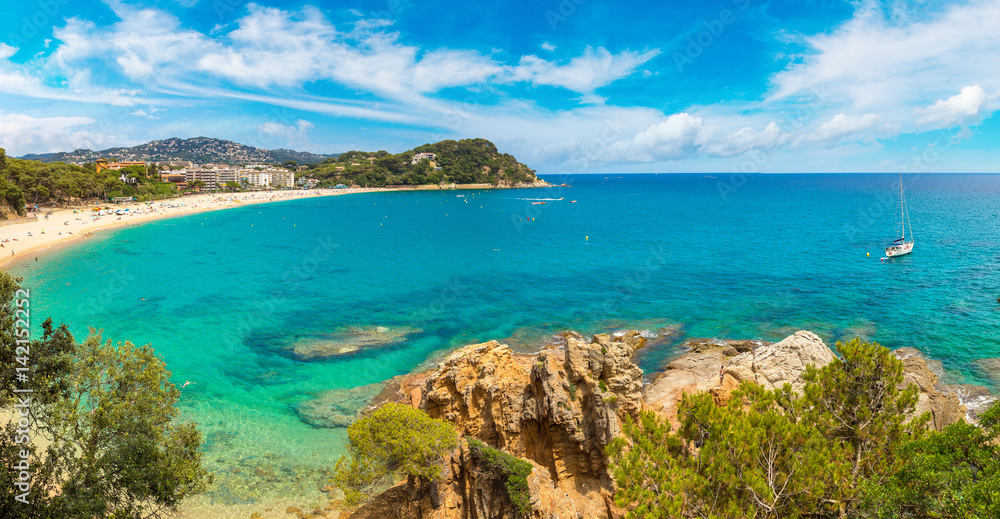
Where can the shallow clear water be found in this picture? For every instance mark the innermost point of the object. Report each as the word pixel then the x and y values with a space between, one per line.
pixel 227 293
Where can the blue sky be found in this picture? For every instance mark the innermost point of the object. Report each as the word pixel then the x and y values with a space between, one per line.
pixel 567 86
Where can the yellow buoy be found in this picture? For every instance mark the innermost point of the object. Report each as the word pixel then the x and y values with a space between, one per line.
pixel 869 254
pixel 588 238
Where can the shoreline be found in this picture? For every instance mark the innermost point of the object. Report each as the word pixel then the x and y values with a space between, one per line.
pixel 66 227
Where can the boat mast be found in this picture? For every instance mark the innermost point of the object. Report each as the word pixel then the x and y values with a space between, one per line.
pixel 902 209
pixel 906 211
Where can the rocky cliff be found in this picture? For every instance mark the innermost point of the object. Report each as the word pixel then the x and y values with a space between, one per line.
pixel 558 409
pixel 773 365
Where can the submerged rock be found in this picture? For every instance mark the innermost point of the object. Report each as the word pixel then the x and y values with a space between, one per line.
pixel 989 369
pixel 337 407
pixel 350 340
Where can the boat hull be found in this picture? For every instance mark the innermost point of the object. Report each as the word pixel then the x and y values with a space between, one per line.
pixel 902 250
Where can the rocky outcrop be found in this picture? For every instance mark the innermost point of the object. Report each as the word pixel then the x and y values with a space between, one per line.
pixel 467 493
pixel 773 365
pixel 350 340
pixel 946 403
pixel 558 409
pixel 783 362
pixel 697 370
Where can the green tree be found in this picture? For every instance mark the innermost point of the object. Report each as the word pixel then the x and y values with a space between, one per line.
pixel 107 442
pixel 951 474
pixel 771 454
pixel 856 400
pixel 396 440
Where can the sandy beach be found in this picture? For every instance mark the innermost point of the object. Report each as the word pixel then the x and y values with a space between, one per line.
pixel 23 242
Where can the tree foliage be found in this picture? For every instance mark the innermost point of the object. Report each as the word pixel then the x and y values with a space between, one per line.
pixel 952 474
pixel 465 161
pixel 33 182
pixel 396 440
pixel 106 439
pixel 9 192
pixel 774 453
pixel 506 471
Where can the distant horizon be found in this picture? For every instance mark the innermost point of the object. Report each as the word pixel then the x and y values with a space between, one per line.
pixel 724 85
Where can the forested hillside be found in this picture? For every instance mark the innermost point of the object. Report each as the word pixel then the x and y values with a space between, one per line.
pixel 468 161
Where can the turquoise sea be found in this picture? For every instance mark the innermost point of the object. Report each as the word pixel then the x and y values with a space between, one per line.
pixel 223 296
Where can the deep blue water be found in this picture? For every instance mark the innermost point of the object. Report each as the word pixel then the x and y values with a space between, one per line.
pixel 228 292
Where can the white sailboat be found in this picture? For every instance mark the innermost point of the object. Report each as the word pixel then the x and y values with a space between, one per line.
pixel 901 246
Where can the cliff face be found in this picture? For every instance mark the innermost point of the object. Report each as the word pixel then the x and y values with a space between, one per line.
pixel 773 365
pixel 560 408
pixel 557 409
pixel 466 493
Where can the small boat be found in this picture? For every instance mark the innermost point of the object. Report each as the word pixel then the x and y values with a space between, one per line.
pixel 572 201
pixel 900 246
pixel 538 203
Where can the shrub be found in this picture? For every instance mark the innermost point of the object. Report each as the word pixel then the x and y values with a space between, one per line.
pixel 396 440
pixel 505 469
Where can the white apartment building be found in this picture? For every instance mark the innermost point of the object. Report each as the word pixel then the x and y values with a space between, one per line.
pixel 417 157
pixel 283 178
pixel 209 177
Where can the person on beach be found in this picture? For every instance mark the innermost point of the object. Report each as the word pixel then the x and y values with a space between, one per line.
pixel 722 371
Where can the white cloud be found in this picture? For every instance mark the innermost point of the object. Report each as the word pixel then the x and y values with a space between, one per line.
pixel 963 108
pixel 842 125
pixel 897 65
pixel 547 46
pixel 269 134
pixel 586 73
pixel 619 139
pixel 21 134
pixel 7 51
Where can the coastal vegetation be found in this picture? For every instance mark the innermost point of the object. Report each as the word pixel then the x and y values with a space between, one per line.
pixel 196 149
pixel 30 182
pixel 467 161
pixel 394 441
pixel 849 446
pixel 508 472
pixel 100 435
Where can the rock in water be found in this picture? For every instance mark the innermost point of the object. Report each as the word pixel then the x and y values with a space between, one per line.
pixel 350 340
pixel 337 407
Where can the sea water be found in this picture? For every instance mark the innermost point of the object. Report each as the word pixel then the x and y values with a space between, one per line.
pixel 223 296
